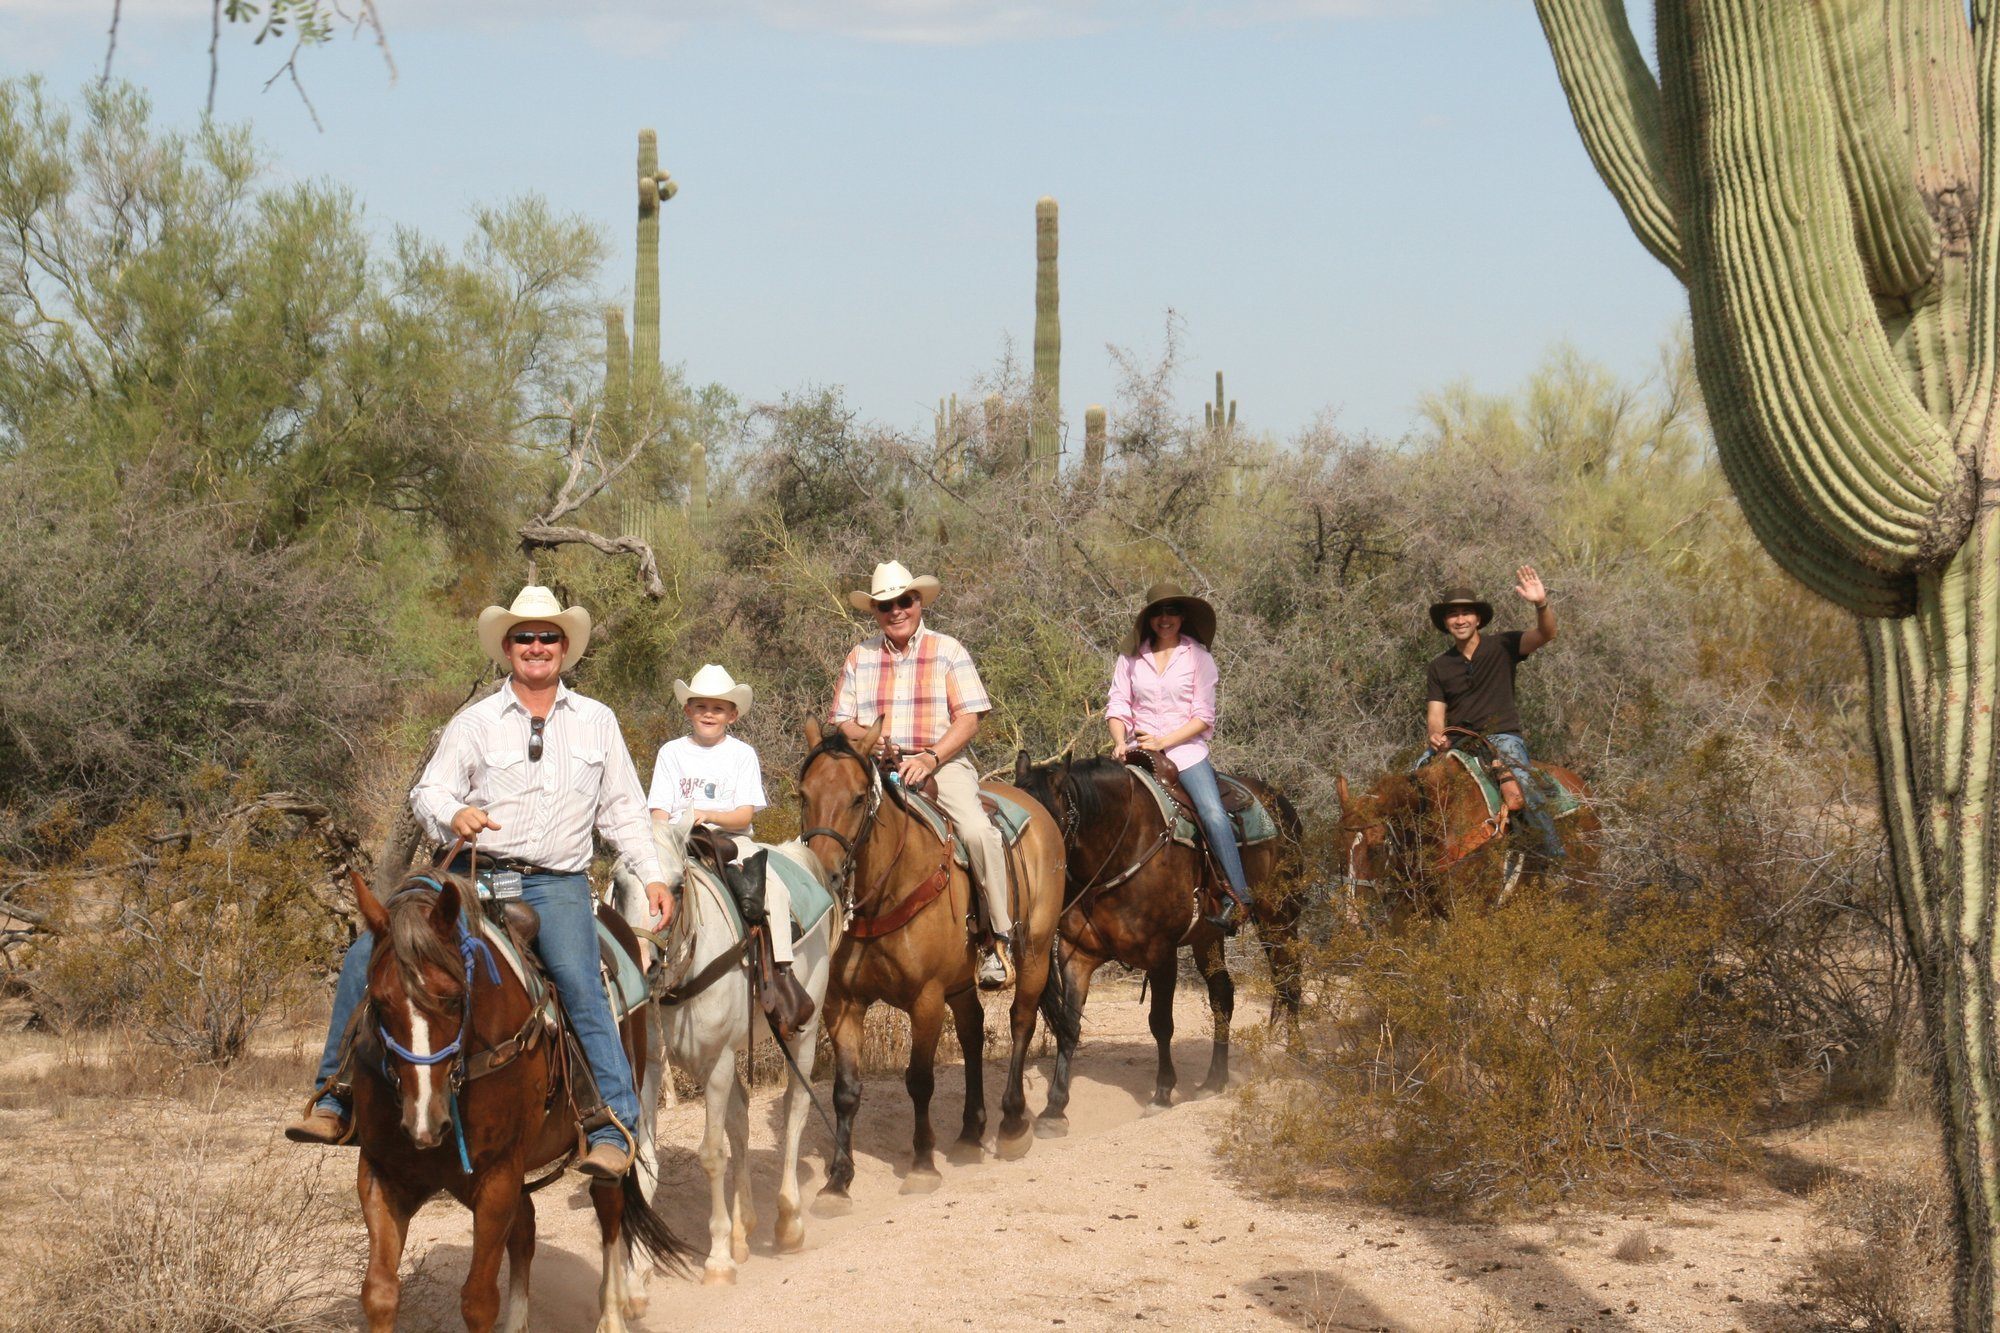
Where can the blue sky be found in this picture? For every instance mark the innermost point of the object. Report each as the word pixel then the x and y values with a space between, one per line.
pixel 1348 202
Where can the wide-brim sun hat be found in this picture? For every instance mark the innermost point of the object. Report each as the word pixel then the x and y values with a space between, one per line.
pixel 1197 616
pixel 534 603
pixel 712 682
pixel 890 581
pixel 1457 597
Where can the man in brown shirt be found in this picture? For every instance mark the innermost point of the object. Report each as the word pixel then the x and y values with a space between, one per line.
pixel 1471 684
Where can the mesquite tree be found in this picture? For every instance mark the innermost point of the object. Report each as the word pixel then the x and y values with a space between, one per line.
pixel 1821 177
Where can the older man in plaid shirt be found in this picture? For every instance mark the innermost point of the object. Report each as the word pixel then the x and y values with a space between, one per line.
pixel 923 686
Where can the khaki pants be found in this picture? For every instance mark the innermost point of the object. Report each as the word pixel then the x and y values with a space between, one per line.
pixel 958 794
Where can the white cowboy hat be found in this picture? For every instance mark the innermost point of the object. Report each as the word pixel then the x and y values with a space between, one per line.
pixel 534 603
pixel 712 682
pixel 890 581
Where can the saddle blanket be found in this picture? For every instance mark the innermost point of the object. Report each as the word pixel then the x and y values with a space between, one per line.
pixel 624 983
pixel 1560 800
pixel 1253 823
pixel 811 900
pixel 1008 815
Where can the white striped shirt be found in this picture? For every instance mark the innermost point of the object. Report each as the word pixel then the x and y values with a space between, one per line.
pixel 546 808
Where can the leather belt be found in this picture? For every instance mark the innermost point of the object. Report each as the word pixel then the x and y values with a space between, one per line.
pixel 461 865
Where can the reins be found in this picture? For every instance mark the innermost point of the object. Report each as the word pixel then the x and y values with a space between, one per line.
pixel 842 882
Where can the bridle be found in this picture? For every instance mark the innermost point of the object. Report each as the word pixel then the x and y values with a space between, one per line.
pixel 842 880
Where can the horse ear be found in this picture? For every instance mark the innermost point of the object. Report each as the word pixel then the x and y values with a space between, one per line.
pixel 449 904
pixel 1021 768
pixel 1340 788
pixel 373 914
pixel 814 735
pixel 870 739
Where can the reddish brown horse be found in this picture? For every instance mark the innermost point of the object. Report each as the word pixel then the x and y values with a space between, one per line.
pixel 1131 900
pixel 464 1091
pixel 1424 843
pixel 905 944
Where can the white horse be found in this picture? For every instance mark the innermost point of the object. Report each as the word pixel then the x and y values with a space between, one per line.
pixel 703 1036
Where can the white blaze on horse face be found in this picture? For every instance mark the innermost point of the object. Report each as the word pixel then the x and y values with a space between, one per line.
pixel 421 1104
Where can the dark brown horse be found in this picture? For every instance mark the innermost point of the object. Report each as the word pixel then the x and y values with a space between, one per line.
pixel 1425 843
pixel 905 944
pixel 1131 899
pixel 468 1096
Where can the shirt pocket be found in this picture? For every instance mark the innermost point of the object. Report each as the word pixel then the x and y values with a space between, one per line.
pixel 586 770
pixel 508 775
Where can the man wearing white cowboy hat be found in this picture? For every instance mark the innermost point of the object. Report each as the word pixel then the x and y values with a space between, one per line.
pixel 923 686
pixel 529 772
pixel 710 777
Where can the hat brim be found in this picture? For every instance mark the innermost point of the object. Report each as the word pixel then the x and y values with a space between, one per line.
pixel 1197 622
pixel 496 621
pixel 1438 609
pixel 740 696
pixel 924 586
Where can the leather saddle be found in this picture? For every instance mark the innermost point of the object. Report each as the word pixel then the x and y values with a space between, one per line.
pixel 1234 800
pixel 779 993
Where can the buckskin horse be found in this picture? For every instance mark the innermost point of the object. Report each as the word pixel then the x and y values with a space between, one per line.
pixel 1131 899
pixel 474 1114
pixel 1431 842
pixel 906 945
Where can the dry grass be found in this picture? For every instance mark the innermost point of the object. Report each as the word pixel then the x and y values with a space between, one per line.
pixel 194 1244
pixel 1881 1254
pixel 65 1076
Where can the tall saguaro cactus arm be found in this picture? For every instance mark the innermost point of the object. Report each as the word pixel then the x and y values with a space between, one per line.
pixel 1044 443
pixel 1616 103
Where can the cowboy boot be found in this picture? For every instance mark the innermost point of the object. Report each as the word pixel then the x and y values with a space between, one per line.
pixel 322 1126
pixel 995 973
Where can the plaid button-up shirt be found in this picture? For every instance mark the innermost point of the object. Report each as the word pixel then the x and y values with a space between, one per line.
pixel 917 691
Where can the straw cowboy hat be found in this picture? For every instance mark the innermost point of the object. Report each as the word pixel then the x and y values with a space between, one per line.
pixel 891 581
pixel 712 682
pixel 534 603
pixel 1458 596
pixel 1197 616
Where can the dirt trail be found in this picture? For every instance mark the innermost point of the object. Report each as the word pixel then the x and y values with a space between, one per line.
pixel 1134 1219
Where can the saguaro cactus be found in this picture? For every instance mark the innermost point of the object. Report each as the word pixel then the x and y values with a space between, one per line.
pixel 950 436
pixel 697 483
pixel 1821 174
pixel 1045 413
pixel 617 374
pixel 655 188
pixel 1211 413
pixel 1093 446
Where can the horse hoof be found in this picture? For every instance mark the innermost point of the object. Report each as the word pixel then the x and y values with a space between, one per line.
pixel 1052 1127
pixel 965 1152
pixel 1207 1090
pixel 1156 1108
pixel 921 1182
pixel 832 1205
pixel 715 1275
pixel 1013 1147
pixel 791 1235
pixel 739 1250
pixel 635 1306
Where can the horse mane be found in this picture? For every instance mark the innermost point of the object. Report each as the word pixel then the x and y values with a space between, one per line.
pixel 414 942
pixel 1089 785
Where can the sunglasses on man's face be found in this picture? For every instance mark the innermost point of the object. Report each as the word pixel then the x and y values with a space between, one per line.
pixel 536 636
pixel 535 727
pixel 903 603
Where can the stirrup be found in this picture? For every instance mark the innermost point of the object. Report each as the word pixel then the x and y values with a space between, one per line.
pixel 1225 918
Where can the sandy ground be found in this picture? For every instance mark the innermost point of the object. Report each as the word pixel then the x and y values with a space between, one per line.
pixel 1132 1219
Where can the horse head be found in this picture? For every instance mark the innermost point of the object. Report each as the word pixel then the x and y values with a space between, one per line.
pixel 421 982
pixel 840 790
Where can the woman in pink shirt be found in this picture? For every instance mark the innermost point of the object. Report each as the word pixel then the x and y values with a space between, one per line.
pixel 1163 698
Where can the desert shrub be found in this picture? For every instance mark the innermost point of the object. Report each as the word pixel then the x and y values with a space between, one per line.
pixel 1881 1253
pixel 189 1243
pixel 1539 1052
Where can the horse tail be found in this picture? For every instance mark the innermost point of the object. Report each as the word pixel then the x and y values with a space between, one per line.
pixel 649 1231
pixel 1058 1005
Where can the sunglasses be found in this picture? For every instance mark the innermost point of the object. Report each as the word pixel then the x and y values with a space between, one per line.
pixel 907 600
pixel 535 728
pixel 536 636
pixel 1167 609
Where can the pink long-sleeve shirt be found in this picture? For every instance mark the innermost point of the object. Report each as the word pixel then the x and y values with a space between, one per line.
pixel 1148 699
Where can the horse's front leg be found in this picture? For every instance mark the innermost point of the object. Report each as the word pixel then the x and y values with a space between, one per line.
pixel 844 1026
pixel 969 1016
pixel 1037 973
pixel 920 1079
pixel 387 1212
pixel 520 1256
pixel 739 1154
pixel 496 1199
pixel 1208 957
pixel 1077 970
pixel 719 1091
pixel 1163 978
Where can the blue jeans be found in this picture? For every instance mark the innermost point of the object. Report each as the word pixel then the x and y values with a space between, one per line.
pixel 567 944
pixel 1514 749
pixel 1201 786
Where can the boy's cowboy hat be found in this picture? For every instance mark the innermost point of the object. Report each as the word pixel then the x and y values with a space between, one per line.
pixel 1457 597
pixel 890 581
pixel 534 603
pixel 1197 616
pixel 712 682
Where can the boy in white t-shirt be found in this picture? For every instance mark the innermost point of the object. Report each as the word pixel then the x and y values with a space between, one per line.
pixel 710 777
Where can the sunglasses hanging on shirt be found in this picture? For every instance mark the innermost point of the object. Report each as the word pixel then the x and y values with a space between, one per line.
pixel 535 728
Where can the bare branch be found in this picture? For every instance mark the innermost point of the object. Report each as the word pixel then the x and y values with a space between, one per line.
pixel 542 536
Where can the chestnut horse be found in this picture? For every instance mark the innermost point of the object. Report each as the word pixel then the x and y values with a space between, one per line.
pixel 1131 900
pixel 882 862
pixel 1422 843
pixel 468 1096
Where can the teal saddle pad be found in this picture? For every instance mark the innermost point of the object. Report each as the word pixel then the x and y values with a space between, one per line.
pixel 1253 824
pixel 1008 815
pixel 811 900
pixel 624 983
